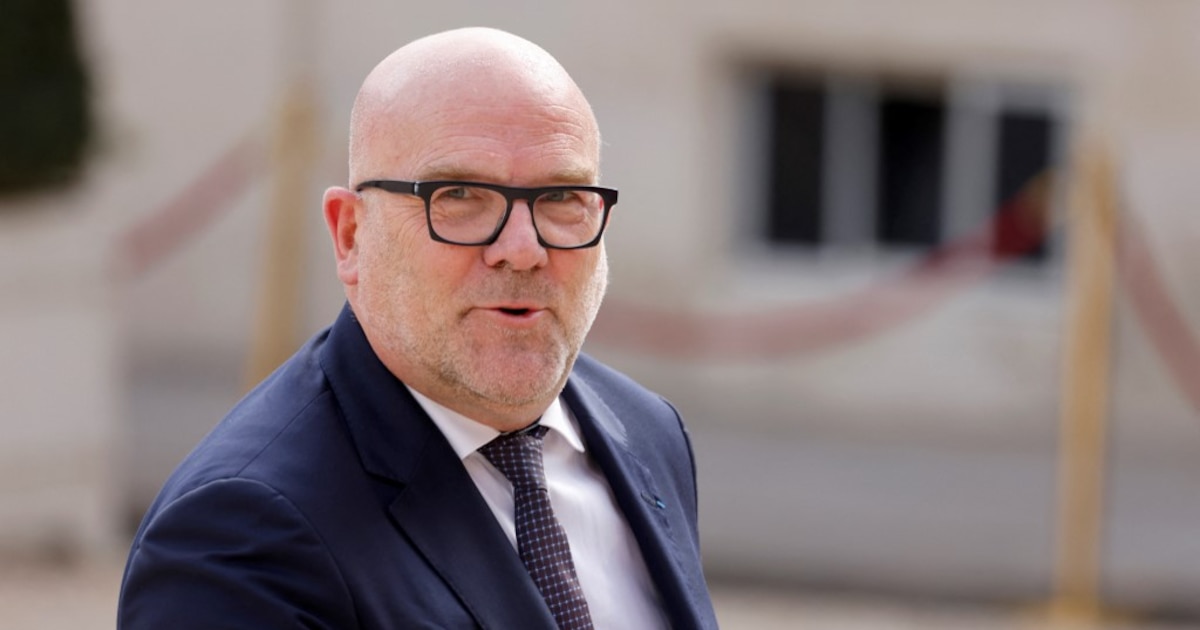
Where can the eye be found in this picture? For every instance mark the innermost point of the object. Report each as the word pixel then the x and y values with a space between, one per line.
pixel 558 196
pixel 455 192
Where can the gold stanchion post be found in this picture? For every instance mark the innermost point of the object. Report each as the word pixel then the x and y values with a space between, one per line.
pixel 1077 600
pixel 276 329
pixel 277 325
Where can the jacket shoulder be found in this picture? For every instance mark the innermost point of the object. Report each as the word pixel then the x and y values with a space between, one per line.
pixel 616 387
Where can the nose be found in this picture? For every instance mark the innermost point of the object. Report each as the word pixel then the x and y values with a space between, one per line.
pixel 517 246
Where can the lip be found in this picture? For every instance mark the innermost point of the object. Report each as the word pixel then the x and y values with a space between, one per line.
pixel 514 313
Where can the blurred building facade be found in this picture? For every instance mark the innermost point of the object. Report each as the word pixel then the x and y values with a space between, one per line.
pixel 828 253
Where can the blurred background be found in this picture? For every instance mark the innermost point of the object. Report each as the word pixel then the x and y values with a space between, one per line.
pixel 917 273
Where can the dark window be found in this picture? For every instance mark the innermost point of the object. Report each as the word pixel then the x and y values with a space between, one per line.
pixel 797 122
pixel 1025 145
pixel 876 153
pixel 910 169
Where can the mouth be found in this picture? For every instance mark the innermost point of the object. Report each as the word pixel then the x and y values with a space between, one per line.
pixel 517 308
pixel 520 314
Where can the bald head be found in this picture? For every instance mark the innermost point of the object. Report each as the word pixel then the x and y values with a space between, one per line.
pixel 466 75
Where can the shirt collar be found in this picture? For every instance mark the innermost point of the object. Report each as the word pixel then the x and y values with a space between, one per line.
pixel 466 435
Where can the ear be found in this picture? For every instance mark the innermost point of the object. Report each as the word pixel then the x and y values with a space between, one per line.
pixel 341 217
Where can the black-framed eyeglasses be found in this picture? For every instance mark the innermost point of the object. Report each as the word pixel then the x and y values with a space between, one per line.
pixel 474 213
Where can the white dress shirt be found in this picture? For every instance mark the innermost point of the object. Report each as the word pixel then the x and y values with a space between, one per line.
pixel 607 558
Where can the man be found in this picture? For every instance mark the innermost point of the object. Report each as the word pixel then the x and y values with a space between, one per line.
pixel 392 473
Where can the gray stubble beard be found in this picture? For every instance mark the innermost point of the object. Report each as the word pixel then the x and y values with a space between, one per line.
pixel 469 382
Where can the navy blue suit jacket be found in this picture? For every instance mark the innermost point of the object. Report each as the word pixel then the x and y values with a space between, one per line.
pixel 328 499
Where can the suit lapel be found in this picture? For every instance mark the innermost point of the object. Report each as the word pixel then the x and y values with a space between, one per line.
pixel 634 488
pixel 425 488
pixel 443 514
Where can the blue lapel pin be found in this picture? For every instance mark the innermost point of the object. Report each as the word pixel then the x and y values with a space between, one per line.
pixel 653 500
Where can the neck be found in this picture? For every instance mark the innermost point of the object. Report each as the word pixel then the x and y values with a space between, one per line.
pixel 505 418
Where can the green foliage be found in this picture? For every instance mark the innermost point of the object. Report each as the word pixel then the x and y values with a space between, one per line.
pixel 45 118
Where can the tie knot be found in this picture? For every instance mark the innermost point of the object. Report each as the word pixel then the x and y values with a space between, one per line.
pixel 518 456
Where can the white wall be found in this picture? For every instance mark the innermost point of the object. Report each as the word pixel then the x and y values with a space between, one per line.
pixel 60 384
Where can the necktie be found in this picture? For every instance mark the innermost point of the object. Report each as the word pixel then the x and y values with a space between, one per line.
pixel 541 541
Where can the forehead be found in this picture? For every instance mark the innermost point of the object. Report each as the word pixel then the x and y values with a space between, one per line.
pixel 513 143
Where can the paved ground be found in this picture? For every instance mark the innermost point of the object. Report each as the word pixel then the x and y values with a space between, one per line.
pixel 40 597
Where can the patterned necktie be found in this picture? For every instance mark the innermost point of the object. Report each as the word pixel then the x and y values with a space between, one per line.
pixel 541 540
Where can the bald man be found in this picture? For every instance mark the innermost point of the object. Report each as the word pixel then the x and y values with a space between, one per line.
pixel 443 456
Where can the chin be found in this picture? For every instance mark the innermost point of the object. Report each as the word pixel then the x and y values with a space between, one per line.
pixel 522 378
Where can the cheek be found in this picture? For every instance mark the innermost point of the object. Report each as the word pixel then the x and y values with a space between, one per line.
pixel 585 279
pixel 410 275
pixel 384 265
pixel 593 264
pixel 391 237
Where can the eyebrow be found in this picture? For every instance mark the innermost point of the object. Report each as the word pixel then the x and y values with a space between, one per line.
pixel 580 176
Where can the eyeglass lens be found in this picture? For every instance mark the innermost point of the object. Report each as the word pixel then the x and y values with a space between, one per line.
pixel 469 214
